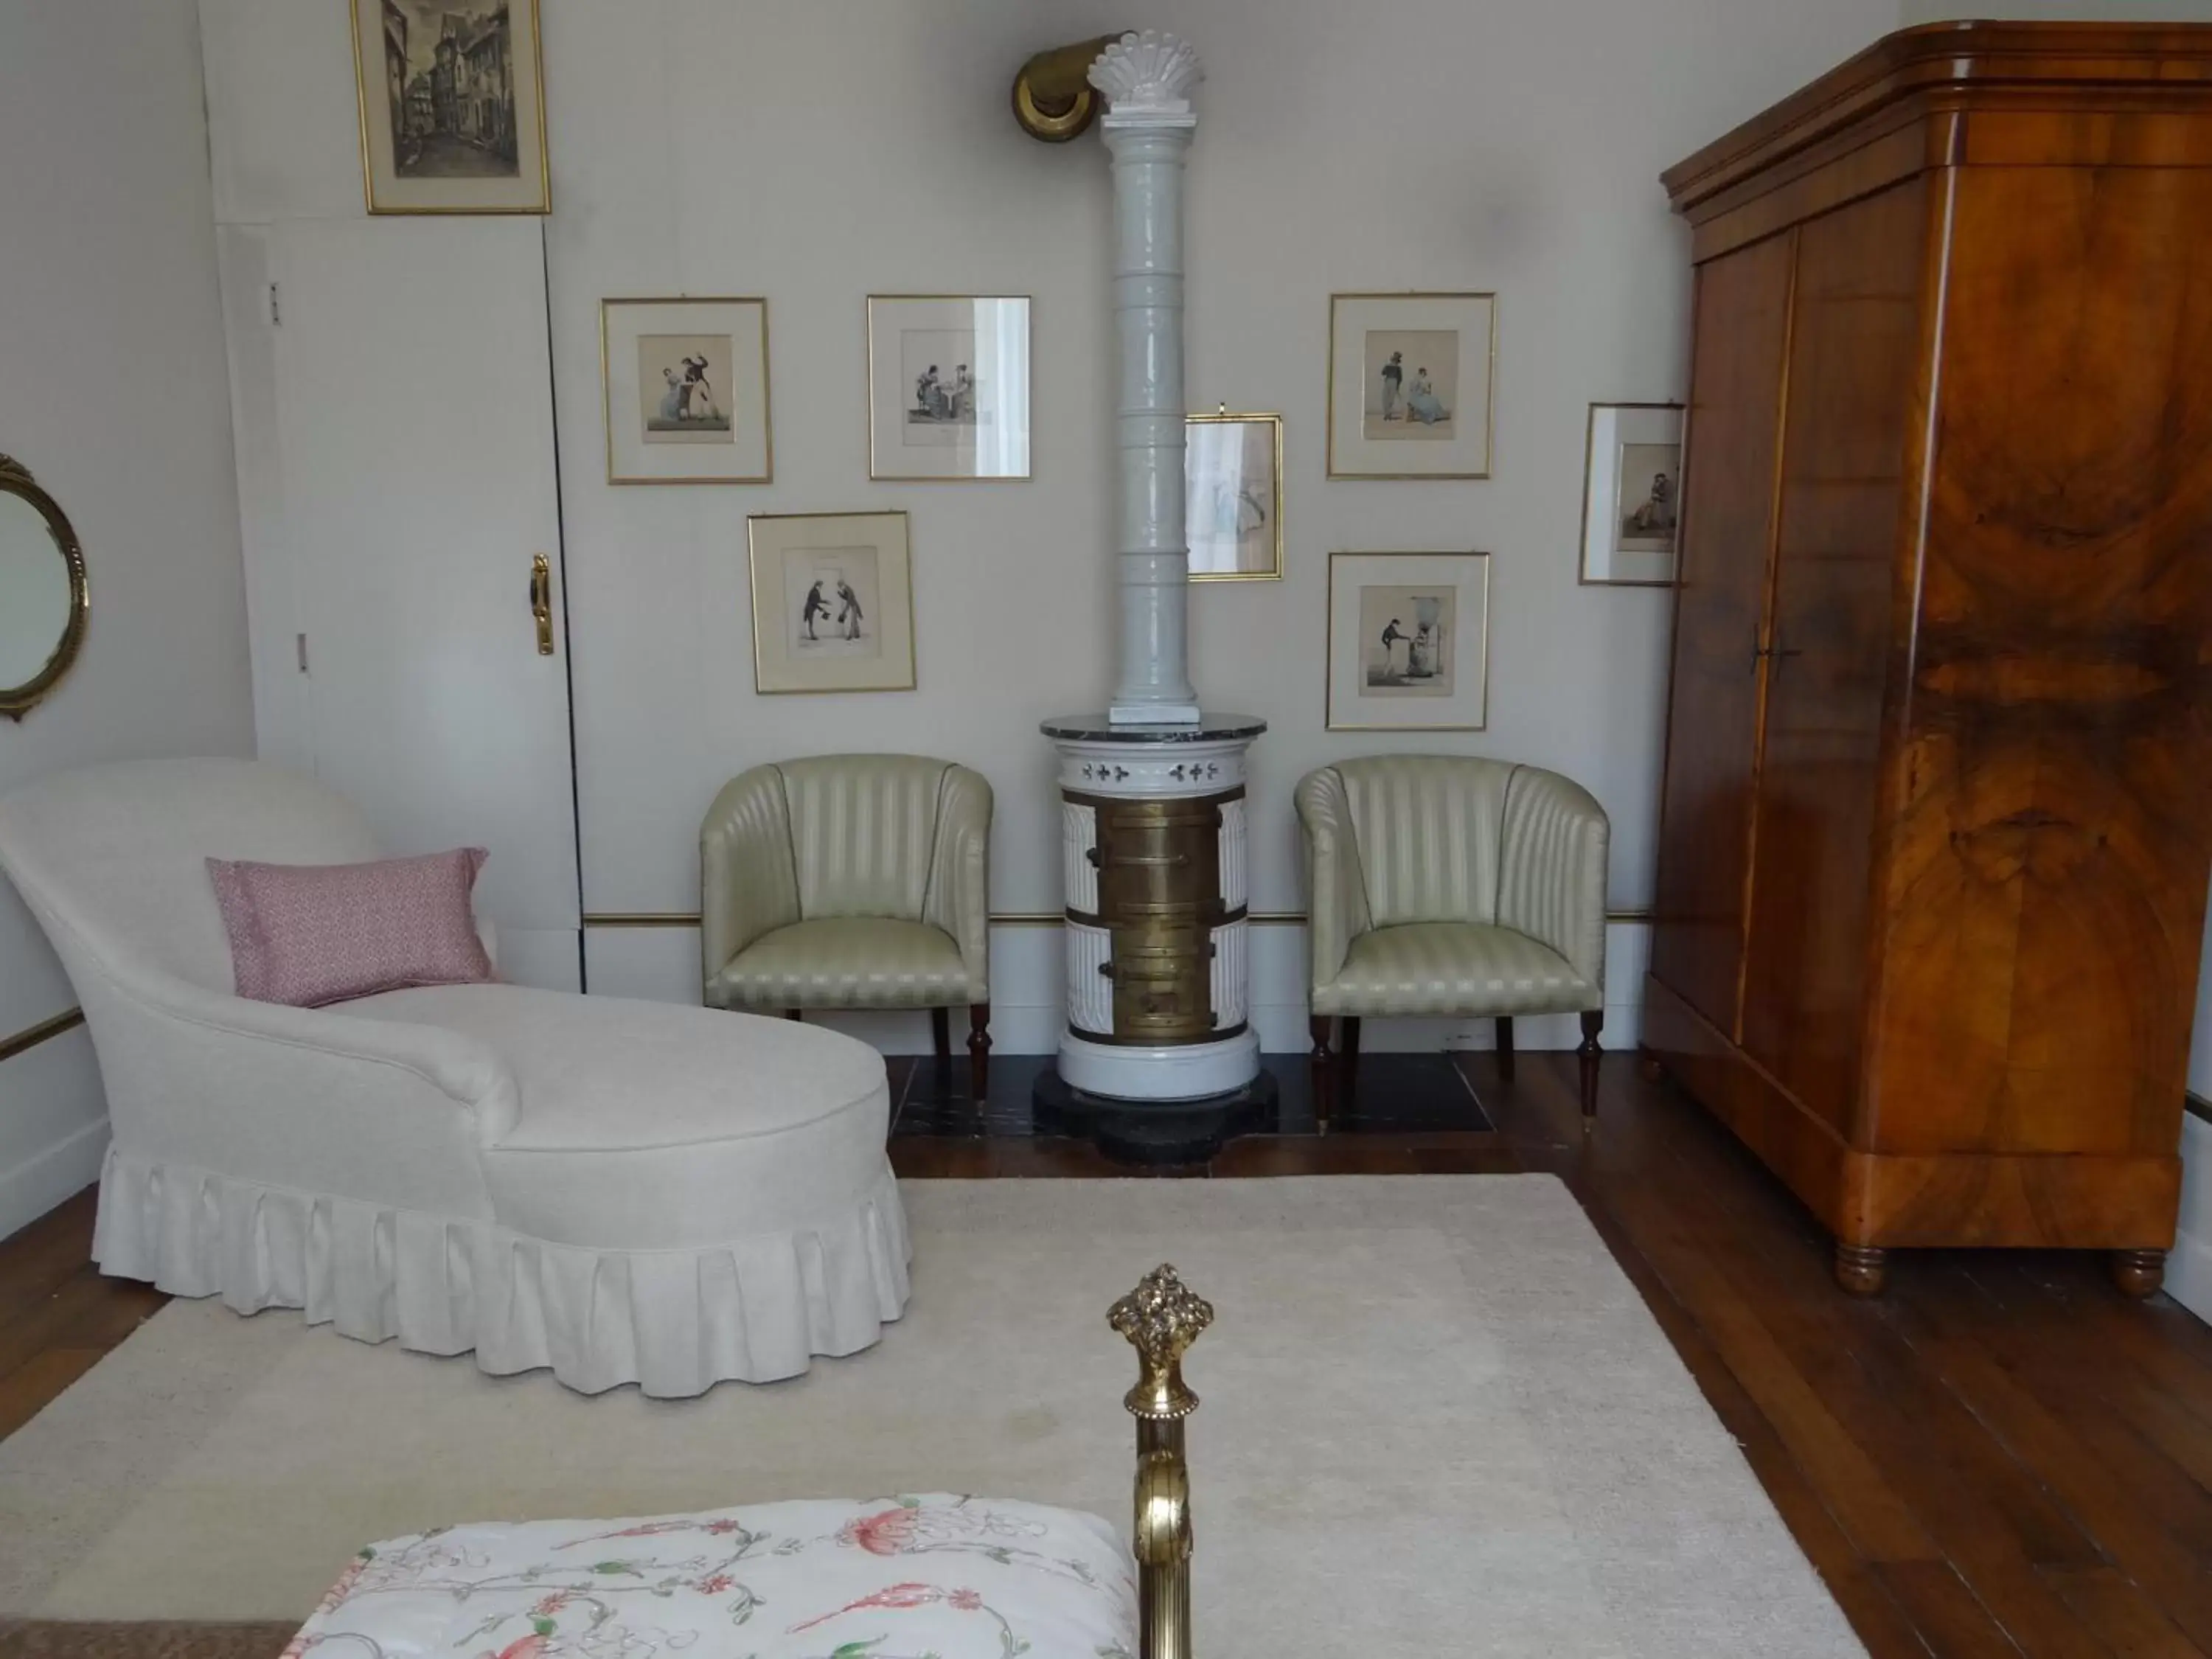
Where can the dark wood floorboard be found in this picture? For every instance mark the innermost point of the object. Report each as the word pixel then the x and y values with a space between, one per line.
pixel 2000 1457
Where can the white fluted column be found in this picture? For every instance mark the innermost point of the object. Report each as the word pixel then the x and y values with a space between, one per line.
pixel 1146 79
pixel 1158 1013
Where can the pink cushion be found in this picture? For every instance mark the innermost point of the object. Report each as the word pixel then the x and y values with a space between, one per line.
pixel 311 934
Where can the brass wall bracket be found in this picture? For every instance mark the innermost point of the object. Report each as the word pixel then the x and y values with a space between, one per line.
pixel 1054 100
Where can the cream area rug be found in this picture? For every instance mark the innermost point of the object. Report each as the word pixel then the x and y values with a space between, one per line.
pixel 1437 1419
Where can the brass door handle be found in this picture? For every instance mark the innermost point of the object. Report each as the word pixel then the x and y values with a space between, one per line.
pixel 541 602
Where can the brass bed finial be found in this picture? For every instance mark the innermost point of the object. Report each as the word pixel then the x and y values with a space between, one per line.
pixel 1161 1318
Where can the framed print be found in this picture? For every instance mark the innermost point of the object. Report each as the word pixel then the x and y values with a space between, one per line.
pixel 1409 384
pixel 833 602
pixel 1408 641
pixel 686 390
pixel 1233 496
pixel 948 387
pixel 452 106
pixel 1631 494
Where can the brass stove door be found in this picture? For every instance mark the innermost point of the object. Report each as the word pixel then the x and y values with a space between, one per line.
pixel 1159 897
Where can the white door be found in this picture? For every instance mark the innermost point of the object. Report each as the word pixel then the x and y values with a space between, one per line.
pixel 413 456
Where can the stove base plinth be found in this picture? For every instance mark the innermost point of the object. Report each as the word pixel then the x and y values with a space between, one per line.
pixel 1131 1071
pixel 1154 1132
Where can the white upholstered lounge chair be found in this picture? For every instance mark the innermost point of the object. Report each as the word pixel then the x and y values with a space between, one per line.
pixel 623 1191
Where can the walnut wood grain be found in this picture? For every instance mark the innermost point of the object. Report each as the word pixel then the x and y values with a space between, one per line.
pixel 2044 912
pixel 2039 70
pixel 1854 350
pixel 1738 360
pixel 1978 778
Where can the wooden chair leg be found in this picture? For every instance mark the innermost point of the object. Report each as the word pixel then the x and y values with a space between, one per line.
pixel 1593 1023
pixel 1323 1079
pixel 1505 1046
pixel 940 1039
pixel 979 1051
pixel 1347 1085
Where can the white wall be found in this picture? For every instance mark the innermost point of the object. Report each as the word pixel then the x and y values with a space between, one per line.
pixel 815 152
pixel 2188 1269
pixel 112 391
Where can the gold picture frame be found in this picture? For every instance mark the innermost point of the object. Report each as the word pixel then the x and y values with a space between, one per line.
pixel 441 118
pixel 1457 688
pixel 1191 485
pixel 1624 429
pixel 861 559
pixel 642 450
pixel 1002 373
pixel 1391 450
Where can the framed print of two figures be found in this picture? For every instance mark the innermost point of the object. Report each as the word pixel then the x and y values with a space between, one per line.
pixel 948 387
pixel 1409 384
pixel 686 390
pixel 1408 641
pixel 452 106
pixel 833 602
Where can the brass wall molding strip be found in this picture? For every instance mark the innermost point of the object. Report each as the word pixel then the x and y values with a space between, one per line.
pixel 999 918
pixel 1093 919
pixel 68 1021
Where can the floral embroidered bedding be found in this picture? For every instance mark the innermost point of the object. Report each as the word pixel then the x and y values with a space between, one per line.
pixel 938 1577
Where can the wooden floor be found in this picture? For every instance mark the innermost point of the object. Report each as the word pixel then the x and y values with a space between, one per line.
pixel 1999 1457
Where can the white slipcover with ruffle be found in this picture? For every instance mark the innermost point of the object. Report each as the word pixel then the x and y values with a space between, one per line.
pixel 622 1191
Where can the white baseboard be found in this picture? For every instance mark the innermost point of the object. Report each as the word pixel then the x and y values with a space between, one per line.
pixel 54 1131
pixel 662 964
pixel 2189 1267
pixel 2189 1275
pixel 38 1183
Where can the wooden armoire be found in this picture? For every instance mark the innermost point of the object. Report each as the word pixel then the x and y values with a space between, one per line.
pixel 1936 819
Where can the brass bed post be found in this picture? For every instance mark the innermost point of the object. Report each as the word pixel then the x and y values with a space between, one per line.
pixel 1161 1318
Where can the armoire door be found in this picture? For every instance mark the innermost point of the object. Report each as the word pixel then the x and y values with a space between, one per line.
pixel 411 392
pixel 1855 353
pixel 1741 337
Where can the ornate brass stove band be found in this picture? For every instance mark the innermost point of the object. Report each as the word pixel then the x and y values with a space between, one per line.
pixel 1159 900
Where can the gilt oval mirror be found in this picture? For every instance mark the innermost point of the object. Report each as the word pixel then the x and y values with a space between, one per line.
pixel 43 598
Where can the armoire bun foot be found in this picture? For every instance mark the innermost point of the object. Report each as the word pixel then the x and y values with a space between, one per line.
pixel 1862 1269
pixel 2138 1273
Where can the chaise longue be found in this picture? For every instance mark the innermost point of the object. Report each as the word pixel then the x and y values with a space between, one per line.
pixel 625 1192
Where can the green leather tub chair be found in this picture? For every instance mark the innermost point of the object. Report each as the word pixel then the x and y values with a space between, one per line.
pixel 852 881
pixel 1443 885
